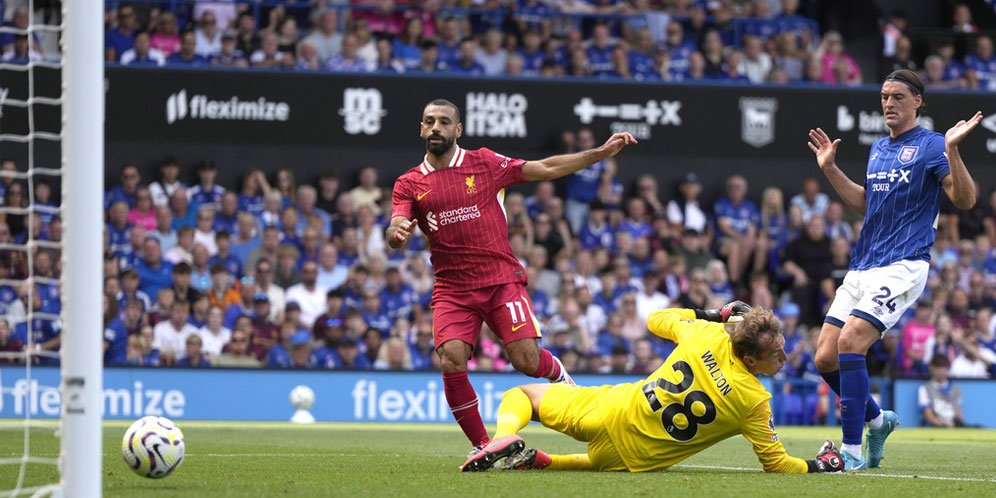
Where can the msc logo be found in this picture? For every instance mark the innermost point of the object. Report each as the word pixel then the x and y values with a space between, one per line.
pixel 361 110
pixel 471 188
pixel 179 107
pixel 757 126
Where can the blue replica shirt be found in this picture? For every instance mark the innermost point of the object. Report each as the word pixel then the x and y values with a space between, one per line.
pixel 178 60
pixel 118 240
pixel 7 297
pixel 600 61
pixel 448 54
pixel 532 62
pixel 954 70
pixel 230 262
pixel 582 185
pixel 154 278
pixel 206 196
pixel 902 199
pixel 985 71
pixel 741 216
pixel 642 66
pixel 593 237
pixel 116 338
pixel 120 42
pixel 680 56
pixel 398 304
pixel 252 204
pixel 118 194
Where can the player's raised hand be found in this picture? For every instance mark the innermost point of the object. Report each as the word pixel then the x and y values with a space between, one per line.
pixel 617 142
pixel 961 129
pixel 824 148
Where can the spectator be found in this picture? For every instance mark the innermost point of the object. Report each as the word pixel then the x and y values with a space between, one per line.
pixel 809 262
pixel 893 28
pixel 268 55
pixel 182 251
pixel 171 335
pixel 153 272
pixel 226 216
pixel 836 65
pixel 222 293
pixel 466 62
pixel 429 59
pixel 214 335
pixel 166 37
pixel 193 356
pixel 121 38
pixel 936 77
pixel 244 306
pixel 349 357
pixel 972 362
pixel 981 65
pixel 142 53
pixel 200 274
pixel 246 37
pixel 164 301
pixel 164 231
pixel 229 54
pixel 116 332
pixel 810 200
pixel 903 58
pixel 737 218
pixel 118 228
pixel 204 231
pixel 236 353
pixel 789 57
pixel 186 56
pixel 394 355
pixel 954 69
pixel 130 292
pixel 326 37
pixel 184 287
pixel 756 64
pixel 962 17
pixel 685 210
pixel 348 60
pixel 308 295
pixel 837 227
pixel 492 56
pixel 224 255
pixel 125 191
pixel 940 400
pixel 207 35
pixel 206 193
pixel 914 339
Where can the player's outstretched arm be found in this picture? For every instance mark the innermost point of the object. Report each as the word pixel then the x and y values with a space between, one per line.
pixel 959 185
pixel 557 166
pixel 399 232
pixel 826 156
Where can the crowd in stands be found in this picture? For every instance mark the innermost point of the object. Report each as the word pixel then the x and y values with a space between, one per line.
pixel 758 41
pixel 279 274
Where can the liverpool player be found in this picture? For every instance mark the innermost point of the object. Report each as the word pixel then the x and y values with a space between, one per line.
pixel 705 392
pixel 455 195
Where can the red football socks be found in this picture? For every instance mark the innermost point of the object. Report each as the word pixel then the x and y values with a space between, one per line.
pixel 548 368
pixel 463 403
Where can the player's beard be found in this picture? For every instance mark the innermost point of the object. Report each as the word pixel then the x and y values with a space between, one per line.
pixel 440 148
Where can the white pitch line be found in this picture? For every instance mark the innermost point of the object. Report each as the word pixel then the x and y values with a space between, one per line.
pixel 862 474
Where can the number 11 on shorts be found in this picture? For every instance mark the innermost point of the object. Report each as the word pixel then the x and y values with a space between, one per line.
pixel 513 307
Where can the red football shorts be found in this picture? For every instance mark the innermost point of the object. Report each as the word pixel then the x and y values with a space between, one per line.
pixel 506 309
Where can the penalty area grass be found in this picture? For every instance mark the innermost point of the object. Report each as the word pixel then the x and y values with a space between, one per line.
pixel 408 460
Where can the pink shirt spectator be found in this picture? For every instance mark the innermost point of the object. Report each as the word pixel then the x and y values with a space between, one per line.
pixel 146 220
pixel 168 44
pixel 830 60
pixel 915 337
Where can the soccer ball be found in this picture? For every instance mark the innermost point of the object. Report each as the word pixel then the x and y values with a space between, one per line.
pixel 302 397
pixel 153 447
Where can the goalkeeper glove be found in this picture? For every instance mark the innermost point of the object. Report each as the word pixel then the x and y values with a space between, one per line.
pixel 722 315
pixel 827 460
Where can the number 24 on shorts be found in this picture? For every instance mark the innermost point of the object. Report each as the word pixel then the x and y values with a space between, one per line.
pixel 886 293
pixel 685 408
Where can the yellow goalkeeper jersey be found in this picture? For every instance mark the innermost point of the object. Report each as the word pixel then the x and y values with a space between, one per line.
pixel 701 395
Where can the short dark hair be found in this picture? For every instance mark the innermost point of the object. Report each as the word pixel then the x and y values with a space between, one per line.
pixel 912 81
pixel 446 103
pixel 940 361
pixel 182 268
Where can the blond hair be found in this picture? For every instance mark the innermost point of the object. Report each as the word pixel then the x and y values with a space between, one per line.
pixel 748 336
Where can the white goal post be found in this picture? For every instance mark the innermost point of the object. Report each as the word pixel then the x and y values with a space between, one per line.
pixel 81 453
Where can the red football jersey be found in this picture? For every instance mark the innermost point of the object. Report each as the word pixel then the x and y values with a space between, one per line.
pixel 462 212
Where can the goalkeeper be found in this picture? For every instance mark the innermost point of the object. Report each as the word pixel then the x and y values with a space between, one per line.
pixel 705 392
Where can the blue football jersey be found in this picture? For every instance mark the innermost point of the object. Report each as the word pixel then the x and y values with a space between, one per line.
pixel 902 199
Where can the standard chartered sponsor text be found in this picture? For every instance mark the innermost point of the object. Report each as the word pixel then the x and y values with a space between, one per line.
pixel 457 215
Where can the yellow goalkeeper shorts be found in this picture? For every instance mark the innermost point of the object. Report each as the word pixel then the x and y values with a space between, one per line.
pixel 575 411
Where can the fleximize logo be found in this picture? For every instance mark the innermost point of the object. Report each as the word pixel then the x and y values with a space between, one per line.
pixel 179 106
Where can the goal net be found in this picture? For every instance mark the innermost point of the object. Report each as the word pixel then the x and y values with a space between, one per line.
pixel 51 183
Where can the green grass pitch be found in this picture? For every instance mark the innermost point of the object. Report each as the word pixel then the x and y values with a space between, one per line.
pixel 277 459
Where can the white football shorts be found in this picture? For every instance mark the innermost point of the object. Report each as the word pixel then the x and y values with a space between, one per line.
pixel 879 295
